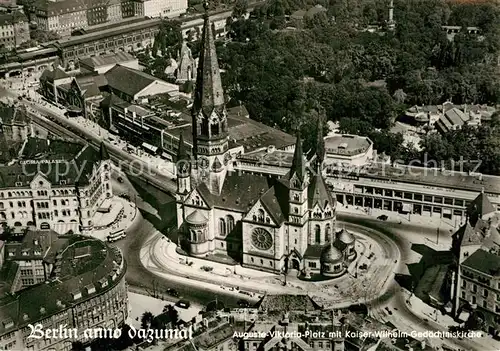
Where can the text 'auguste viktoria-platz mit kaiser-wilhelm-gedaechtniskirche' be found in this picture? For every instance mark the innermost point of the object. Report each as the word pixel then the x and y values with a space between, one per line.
pixel 268 223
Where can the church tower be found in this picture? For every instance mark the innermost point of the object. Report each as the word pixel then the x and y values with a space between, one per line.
pixel 210 132
pixel 322 204
pixel 297 199
pixel 391 24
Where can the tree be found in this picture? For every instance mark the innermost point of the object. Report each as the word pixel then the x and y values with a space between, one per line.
pixel 240 9
pixel 172 314
pixel 146 319
pixel 41 36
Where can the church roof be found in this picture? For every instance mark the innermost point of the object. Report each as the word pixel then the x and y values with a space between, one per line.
pixel 331 255
pixel 196 218
pixel 208 93
pixel 318 193
pixel 481 206
pixel 240 191
pixel 181 150
pixel 103 152
pixel 299 162
pixel 468 235
pixel 275 202
pixel 345 236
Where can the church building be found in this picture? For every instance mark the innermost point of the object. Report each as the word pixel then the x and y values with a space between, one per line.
pixel 266 222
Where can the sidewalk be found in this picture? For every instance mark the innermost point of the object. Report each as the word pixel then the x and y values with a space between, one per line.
pixel 338 293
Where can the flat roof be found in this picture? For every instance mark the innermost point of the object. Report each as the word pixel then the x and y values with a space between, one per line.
pixel 346 144
pixel 431 177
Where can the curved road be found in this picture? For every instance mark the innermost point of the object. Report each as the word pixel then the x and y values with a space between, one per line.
pixel 138 276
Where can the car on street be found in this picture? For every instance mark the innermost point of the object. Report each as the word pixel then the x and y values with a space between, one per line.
pixel 382 218
pixel 172 292
pixel 183 304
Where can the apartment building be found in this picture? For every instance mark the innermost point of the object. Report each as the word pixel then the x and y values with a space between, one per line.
pixel 14 29
pixel 160 8
pixel 476 279
pixel 74 282
pixel 56 185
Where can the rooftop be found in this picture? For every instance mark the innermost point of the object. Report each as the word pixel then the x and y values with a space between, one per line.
pixel 105 60
pixel 96 273
pixel 427 176
pixel 346 144
pixel 484 262
pixel 38 157
pixel 13 115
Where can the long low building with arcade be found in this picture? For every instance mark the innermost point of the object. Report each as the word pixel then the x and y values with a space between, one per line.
pixel 359 177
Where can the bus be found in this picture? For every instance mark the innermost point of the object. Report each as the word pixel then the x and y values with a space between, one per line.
pixel 116 235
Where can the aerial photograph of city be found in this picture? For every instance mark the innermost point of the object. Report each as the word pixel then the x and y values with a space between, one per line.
pixel 250 175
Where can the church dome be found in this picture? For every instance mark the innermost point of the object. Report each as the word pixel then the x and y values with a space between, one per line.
pixel 196 218
pixel 346 237
pixel 331 255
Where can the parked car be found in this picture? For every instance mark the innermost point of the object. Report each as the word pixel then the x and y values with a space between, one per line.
pixel 382 218
pixel 183 304
pixel 172 292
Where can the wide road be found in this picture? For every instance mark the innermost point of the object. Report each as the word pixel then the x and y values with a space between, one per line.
pixel 402 317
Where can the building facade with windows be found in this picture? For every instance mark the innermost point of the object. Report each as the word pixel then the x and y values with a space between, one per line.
pixel 62 282
pixel 476 277
pixel 62 191
pixel 14 29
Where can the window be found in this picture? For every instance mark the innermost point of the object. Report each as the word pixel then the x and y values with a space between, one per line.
pixel 464 284
pixel 312 265
pixel 474 287
pixel 317 233
pixel 230 224
pixel 485 293
pixel 222 226
pixel 327 233
pixel 260 215
pixel 463 295
pixel 251 259
pixel 261 261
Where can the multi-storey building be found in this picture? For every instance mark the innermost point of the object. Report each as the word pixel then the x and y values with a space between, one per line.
pixel 114 11
pixel 476 278
pixel 160 8
pixel 14 29
pixel 66 16
pixel 74 283
pixel 55 185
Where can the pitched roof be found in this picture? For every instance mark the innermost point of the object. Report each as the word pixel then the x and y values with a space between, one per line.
pixel 275 201
pixel 318 193
pixel 240 191
pixel 105 60
pixel 208 95
pixel 299 162
pixel 485 262
pixel 52 75
pixel 181 150
pixel 128 80
pixel 13 114
pixel 103 152
pixel 480 206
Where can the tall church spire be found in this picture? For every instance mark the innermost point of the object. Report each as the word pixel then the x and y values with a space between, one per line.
pixel 299 162
pixel 210 132
pixel 208 92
